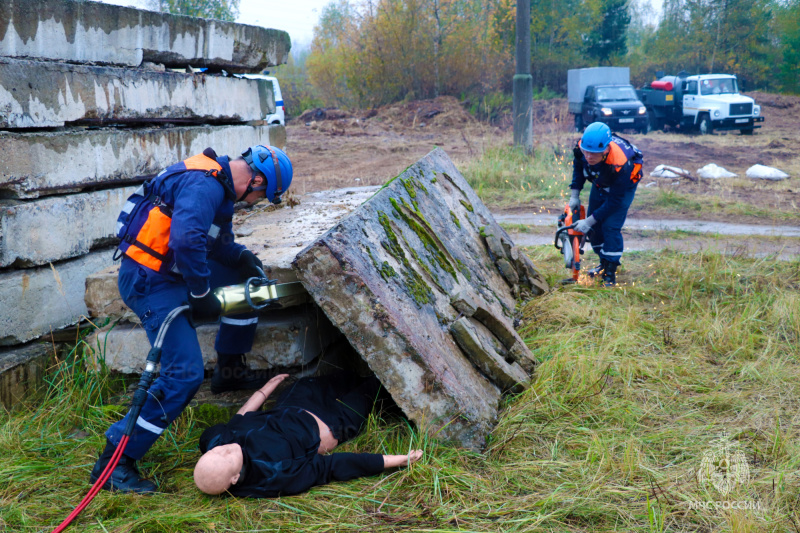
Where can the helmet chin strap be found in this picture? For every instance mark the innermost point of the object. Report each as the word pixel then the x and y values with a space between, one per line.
pixel 250 187
pixel 248 158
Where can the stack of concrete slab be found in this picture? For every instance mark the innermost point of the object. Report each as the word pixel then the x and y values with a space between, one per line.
pixel 94 99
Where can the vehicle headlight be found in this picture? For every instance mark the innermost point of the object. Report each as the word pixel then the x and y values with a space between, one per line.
pixel 756 110
pixel 716 113
pixel 642 110
pixel 606 111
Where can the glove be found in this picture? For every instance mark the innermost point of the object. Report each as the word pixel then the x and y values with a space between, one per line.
pixel 248 265
pixel 204 308
pixel 577 153
pixel 583 226
pixel 574 199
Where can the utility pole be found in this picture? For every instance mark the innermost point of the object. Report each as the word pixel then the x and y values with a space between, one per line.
pixel 523 81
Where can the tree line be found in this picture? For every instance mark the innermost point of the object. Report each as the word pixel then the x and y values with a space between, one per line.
pixel 366 53
pixel 372 52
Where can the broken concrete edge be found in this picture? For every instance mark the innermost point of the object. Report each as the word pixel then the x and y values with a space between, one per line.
pixel 32 164
pixel 23 368
pixel 284 338
pixel 38 300
pixel 93 32
pixel 37 94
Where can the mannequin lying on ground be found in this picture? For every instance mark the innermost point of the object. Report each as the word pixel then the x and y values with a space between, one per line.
pixel 264 454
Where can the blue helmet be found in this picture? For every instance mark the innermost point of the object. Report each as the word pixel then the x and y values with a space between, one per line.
pixel 596 138
pixel 276 167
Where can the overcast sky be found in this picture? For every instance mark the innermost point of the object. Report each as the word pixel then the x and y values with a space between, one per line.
pixel 297 17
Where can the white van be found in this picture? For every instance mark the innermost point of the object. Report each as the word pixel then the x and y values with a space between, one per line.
pixel 279 117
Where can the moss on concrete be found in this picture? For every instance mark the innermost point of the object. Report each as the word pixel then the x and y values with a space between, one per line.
pixel 455 219
pixel 467 206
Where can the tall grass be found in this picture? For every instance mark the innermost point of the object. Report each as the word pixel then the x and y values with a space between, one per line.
pixel 635 384
pixel 507 175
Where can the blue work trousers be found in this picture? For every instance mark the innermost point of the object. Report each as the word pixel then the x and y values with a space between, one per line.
pixel 606 236
pixel 152 296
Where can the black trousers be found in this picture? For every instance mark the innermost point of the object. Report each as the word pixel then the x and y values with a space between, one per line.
pixel 343 401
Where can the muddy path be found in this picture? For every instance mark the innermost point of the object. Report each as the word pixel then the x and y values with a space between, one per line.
pixel 333 149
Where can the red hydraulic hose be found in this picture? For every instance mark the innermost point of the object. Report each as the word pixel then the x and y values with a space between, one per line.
pixel 112 464
pixel 139 398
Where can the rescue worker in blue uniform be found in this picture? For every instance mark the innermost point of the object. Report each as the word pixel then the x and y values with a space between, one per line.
pixel 613 166
pixel 177 244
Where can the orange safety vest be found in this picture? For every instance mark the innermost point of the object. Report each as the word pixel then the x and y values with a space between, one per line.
pixel 143 226
pixel 618 155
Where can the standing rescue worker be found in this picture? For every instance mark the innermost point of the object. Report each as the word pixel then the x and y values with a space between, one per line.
pixel 614 168
pixel 177 245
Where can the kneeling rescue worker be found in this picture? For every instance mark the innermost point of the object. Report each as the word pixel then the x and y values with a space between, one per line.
pixel 614 167
pixel 177 245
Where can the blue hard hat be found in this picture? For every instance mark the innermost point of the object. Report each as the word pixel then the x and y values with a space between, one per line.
pixel 276 167
pixel 596 138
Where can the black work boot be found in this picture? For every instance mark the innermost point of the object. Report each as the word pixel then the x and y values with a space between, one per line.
pixel 125 477
pixel 598 270
pixel 232 373
pixel 610 274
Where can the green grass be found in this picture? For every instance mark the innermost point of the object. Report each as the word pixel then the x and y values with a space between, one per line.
pixel 634 385
pixel 507 175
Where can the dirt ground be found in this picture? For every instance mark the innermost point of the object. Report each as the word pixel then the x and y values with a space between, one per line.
pixel 332 149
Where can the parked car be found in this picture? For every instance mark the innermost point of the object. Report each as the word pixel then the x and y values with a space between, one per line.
pixel 279 117
pixel 604 94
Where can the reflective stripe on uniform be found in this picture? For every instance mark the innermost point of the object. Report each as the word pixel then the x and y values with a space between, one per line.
pixel 152 428
pixel 213 231
pixel 239 321
pixel 613 254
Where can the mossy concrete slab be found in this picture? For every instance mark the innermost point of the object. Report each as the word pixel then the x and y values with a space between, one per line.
pixel 46 163
pixel 39 94
pixel 94 32
pixel 386 276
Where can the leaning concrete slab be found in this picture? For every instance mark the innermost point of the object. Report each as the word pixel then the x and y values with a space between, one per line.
pixel 284 338
pixel 22 370
pixel 36 301
pixel 274 235
pixel 93 32
pixel 37 94
pixel 33 164
pixel 60 227
pixel 397 276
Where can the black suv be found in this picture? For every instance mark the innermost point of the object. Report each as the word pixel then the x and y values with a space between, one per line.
pixel 616 105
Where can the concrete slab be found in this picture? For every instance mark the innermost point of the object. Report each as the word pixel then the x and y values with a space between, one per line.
pixel 284 338
pixel 38 94
pixel 397 274
pixel 61 227
pixel 33 164
pixel 22 370
pixel 274 235
pixel 37 300
pixel 81 32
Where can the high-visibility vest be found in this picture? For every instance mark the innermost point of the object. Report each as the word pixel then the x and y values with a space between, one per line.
pixel 623 151
pixel 143 226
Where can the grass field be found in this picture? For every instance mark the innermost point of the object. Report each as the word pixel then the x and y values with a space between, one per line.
pixel 636 386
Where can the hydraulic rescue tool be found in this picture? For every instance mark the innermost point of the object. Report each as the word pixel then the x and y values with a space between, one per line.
pixel 571 242
pixel 255 294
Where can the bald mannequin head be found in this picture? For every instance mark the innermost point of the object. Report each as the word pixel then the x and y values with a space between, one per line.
pixel 219 468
